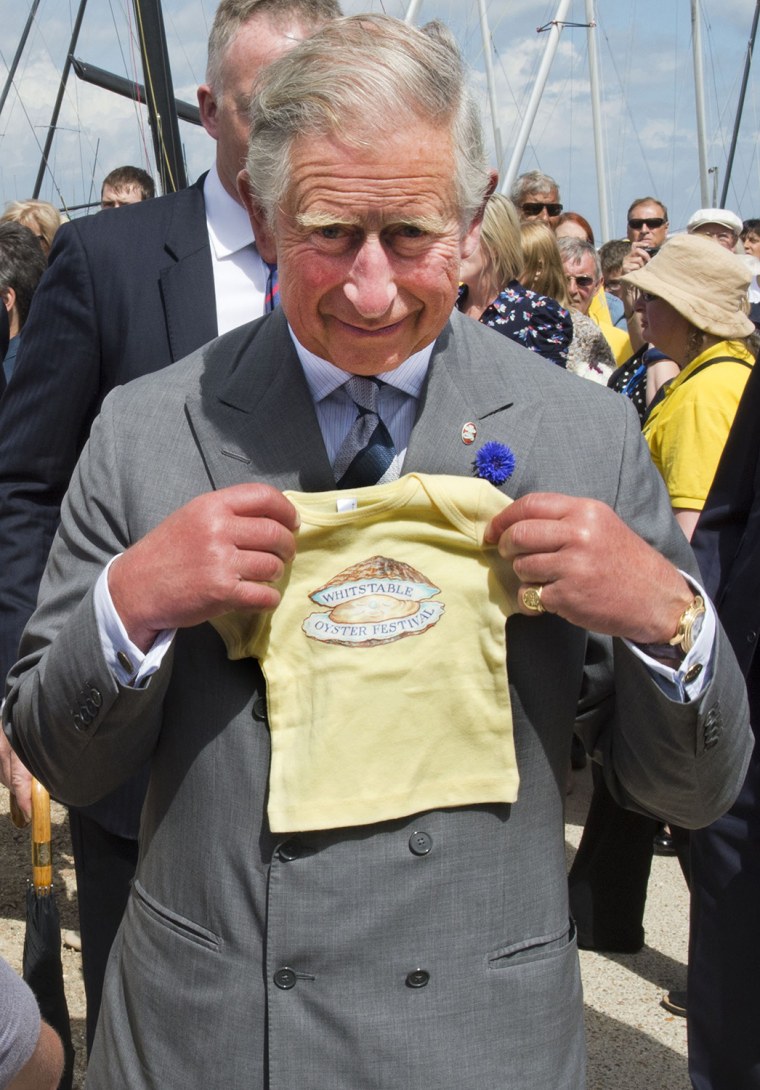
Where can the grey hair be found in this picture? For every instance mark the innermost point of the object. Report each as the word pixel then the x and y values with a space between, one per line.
pixel 351 79
pixel 22 263
pixel 529 184
pixel 231 15
pixel 574 250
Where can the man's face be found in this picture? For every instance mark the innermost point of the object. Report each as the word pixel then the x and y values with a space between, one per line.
pixel 534 207
pixel 224 110
pixel 719 233
pixel 612 282
pixel 581 281
pixel 752 243
pixel 116 197
pixel 647 224
pixel 368 245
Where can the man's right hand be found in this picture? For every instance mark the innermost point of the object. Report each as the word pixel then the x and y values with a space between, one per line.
pixel 636 258
pixel 16 777
pixel 220 552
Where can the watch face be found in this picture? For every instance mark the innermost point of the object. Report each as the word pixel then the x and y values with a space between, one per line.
pixel 694 627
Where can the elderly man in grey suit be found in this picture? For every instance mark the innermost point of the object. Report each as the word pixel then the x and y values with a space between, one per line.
pixel 431 949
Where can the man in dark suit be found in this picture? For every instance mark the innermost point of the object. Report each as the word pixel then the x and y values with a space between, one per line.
pixel 429 947
pixel 724 946
pixel 127 292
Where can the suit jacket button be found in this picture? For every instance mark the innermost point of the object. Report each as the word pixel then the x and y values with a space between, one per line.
pixel 289 850
pixel 285 978
pixel 78 721
pixel 418 978
pixel 260 709
pixel 420 843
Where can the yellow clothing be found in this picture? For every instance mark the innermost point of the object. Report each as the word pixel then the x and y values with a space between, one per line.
pixel 687 430
pixel 617 339
pixel 385 661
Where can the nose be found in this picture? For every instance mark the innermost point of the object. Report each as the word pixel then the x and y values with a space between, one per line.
pixel 371 287
pixel 543 215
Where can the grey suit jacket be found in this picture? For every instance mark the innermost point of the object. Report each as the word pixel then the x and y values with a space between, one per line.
pixel 373 957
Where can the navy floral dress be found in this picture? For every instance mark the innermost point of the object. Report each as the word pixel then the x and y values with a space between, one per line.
pixel 534 321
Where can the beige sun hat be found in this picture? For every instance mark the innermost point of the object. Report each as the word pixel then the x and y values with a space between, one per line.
pixel 703 281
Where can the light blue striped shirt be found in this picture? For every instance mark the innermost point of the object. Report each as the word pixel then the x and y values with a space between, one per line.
pixel 336 412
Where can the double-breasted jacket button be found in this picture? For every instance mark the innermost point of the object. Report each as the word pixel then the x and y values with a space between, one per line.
pixel 259 709
pixel 285 978
pixel 289 850
pixel 418 978
pixel 420 843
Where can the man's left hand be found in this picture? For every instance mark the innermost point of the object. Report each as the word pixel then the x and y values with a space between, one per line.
pixel 592 569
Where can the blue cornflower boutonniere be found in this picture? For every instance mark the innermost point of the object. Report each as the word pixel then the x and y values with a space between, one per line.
pixel 494 462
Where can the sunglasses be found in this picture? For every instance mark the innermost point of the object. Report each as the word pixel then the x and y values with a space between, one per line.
pixel 581 281
pixel 656 221
pixel 535 208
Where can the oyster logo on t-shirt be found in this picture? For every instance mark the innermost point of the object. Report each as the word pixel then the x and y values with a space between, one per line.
pixel 376 601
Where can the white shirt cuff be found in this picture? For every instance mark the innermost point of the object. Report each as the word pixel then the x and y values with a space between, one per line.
pixel 129 666
pixel 686 682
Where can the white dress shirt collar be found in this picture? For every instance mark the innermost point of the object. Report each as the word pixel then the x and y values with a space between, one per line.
pixel 229 228
pixel 323 378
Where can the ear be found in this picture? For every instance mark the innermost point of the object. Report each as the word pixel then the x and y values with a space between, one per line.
pixel 262 231
pixel 208 110
pixel 472 235
pixel 9 298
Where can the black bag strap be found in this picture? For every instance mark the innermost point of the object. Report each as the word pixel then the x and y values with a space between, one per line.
pixel 707 363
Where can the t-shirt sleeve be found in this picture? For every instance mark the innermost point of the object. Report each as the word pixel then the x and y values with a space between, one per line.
pixel 19 1023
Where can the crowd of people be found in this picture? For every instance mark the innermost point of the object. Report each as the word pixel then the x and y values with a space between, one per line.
pixel 306 375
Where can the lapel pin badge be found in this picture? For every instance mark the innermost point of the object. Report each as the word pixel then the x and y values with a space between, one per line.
pixel 469 433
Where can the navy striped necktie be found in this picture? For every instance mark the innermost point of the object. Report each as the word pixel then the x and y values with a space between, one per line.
pixel 367 453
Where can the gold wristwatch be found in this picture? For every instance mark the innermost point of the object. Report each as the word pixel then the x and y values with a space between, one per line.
pixel 687 631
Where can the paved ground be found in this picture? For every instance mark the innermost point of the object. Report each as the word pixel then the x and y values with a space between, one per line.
pixel 633 1043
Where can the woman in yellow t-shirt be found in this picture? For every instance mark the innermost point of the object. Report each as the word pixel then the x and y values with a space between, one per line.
pixel 692 305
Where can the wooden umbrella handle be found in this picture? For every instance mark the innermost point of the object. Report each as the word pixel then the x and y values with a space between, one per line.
pixel 42 848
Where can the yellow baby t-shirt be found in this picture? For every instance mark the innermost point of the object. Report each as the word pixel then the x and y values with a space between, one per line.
pixel 385 660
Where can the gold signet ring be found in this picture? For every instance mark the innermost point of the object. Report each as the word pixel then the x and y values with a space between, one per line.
pixel 532 599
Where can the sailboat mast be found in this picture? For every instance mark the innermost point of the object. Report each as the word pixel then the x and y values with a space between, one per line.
pixel 535 98
pixel 490 82
pixel 59 100
pixel 740 107
pixel 411 11
pixel 160 95
pixel 19 51
pixel 699 95
pixel 596 114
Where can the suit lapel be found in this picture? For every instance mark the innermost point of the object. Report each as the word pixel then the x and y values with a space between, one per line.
pixel 467 385
pixel 187 282
pixel 255 418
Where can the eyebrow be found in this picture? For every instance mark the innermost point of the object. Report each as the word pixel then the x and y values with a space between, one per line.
pixel 312 221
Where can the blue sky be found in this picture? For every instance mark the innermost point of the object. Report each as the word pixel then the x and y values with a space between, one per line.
pixel 645 55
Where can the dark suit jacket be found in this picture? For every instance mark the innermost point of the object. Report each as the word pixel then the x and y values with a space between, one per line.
pixel 724 948
pixel 340 958
pixel 127 291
